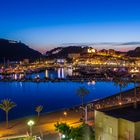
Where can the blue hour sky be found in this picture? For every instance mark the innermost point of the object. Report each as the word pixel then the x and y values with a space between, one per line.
pixel 42 23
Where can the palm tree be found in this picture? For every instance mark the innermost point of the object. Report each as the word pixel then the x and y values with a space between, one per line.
pixel 82 91
pixel 6 105
pixel 121 83
pixel 38 109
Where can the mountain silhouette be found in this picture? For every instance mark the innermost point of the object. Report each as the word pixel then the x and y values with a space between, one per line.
pixel 16 51
pixel 134 53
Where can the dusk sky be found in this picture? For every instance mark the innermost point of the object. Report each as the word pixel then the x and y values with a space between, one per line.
pixel 43 23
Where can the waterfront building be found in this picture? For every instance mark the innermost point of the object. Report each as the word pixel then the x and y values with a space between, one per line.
pixel 121 123
pixel 61 61
pixel 50 61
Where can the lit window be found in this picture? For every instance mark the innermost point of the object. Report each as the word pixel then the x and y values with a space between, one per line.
pixel 110 130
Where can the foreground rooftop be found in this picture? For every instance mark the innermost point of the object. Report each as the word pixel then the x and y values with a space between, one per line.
pixel 127 112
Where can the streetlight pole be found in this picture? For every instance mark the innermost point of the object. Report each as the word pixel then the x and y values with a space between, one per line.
pixel 30 130
pixel 86 113
pixel 30 124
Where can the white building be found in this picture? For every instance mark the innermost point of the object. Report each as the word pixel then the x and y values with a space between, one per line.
pixel 118 124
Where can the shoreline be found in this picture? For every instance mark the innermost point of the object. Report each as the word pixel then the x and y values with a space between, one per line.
pixel 63 80
pixel 57 80
pixel 77 107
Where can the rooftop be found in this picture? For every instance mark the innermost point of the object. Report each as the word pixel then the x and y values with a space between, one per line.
pixel 127 112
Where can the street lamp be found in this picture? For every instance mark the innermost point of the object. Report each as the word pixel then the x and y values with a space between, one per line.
pixel 65 113
pixel 120 103
pixel 30 123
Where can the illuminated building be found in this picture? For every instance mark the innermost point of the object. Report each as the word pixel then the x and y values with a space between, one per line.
pixel 91 50
pixel 121 123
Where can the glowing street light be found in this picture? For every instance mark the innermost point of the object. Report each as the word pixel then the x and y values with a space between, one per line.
pixel 30 123
pixel 65 113
pixel 120 103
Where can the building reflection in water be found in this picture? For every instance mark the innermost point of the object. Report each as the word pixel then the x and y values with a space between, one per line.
pixel 15 76
pixel 91 83
pixel 46 74
pixel 60 73
pixel 52 74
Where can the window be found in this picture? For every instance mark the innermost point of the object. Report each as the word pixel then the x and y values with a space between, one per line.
pixel 110 130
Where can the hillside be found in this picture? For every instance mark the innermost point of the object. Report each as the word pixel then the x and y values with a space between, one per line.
pixel 16 51
pixel 62 52
pixel 134 53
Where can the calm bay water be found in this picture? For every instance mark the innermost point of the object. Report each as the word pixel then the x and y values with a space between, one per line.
pixel 53 96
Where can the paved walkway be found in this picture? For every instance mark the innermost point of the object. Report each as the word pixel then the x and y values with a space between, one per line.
pixel 45 125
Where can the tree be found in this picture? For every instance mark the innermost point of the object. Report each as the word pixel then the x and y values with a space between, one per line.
pixel 82 132
pixel 38 109
pixel 64 129
pixel 119 81
pixel 6 105
pixel 82 91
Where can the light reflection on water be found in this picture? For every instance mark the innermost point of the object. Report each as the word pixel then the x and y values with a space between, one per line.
pixel 55 73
